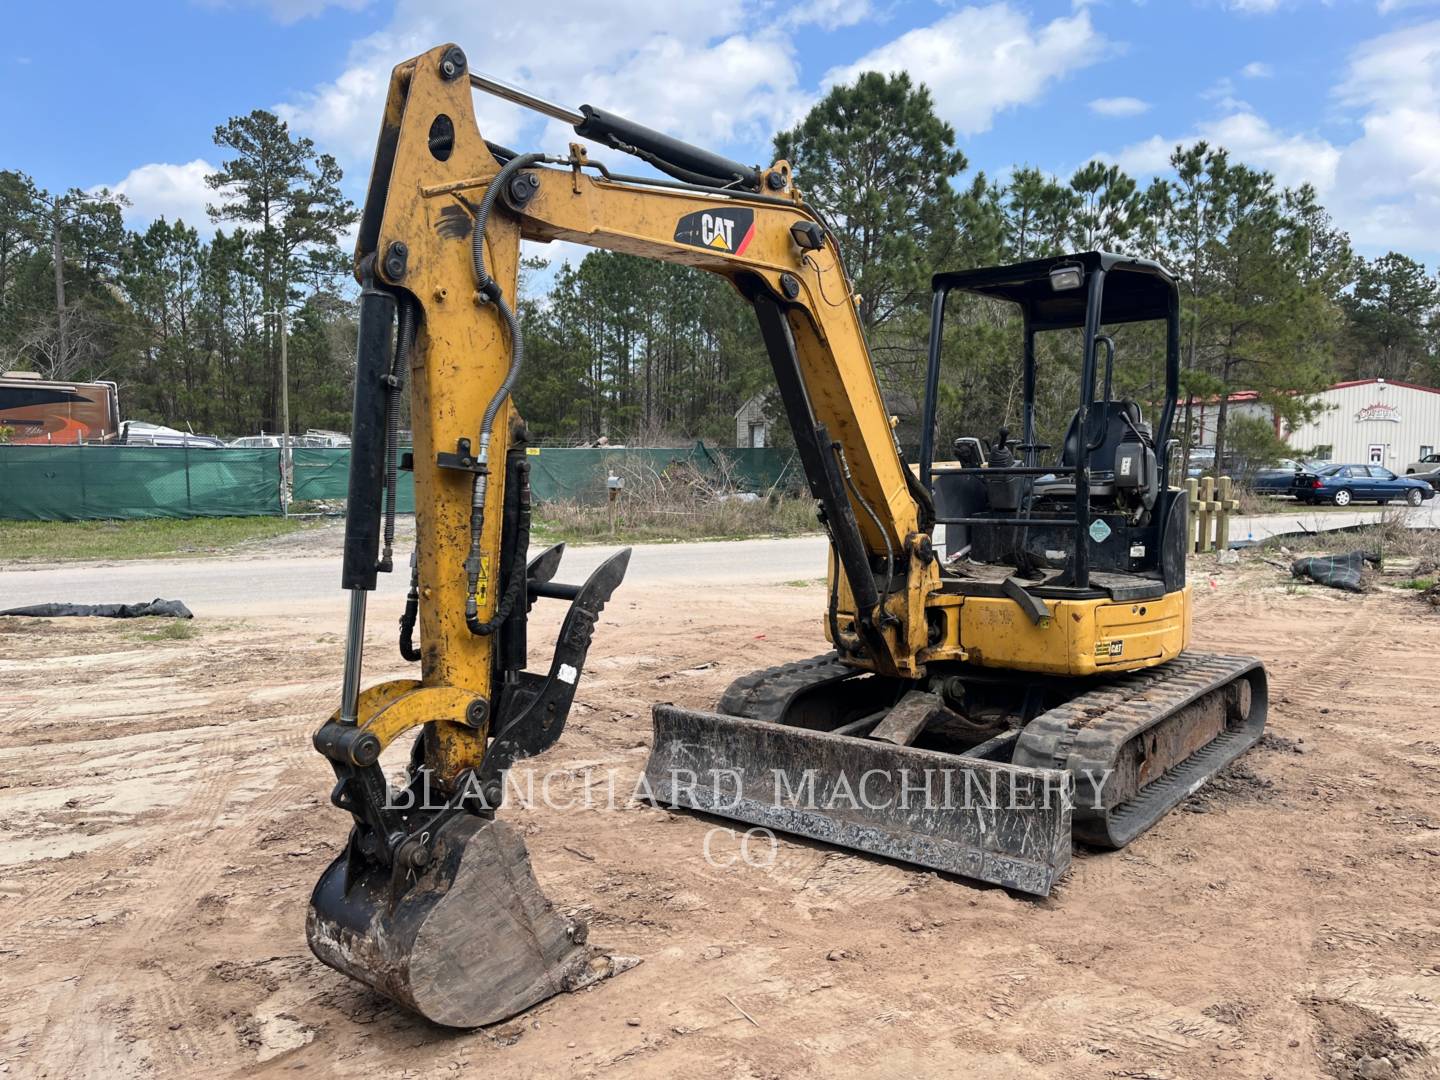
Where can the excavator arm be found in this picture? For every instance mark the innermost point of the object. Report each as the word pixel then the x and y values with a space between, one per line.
pixel 437 259
pixel 435 171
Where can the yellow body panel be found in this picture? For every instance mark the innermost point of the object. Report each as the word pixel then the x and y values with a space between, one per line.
pixel 1081 637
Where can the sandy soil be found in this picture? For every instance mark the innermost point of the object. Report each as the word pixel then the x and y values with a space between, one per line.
pixel 163 817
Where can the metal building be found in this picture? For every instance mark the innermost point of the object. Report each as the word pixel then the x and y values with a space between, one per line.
pixel 1373 422
pixel 1364 421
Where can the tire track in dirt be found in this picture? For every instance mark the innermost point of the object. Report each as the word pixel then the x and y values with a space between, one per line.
pixel 173 883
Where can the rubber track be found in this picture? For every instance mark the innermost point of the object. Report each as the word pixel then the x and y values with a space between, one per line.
pixel 766 694
pixel 1086 735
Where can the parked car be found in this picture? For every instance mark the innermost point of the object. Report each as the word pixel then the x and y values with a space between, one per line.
pixel 1428 463
pixel 312 439
pixel 1278 479
pixel 1344 484
pixel 1202 460
pixel 1432 477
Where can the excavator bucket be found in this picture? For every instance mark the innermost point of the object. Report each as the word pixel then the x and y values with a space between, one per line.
pixel 436 906
pixel 470 940
pixel 994 822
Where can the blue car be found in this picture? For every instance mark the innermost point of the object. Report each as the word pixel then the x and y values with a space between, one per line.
pixel 1344 484
pixel 1278 479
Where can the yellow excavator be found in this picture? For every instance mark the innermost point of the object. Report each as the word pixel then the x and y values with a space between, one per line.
pixel 976 713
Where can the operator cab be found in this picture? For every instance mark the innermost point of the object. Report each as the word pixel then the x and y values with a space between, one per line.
pixel 1094 516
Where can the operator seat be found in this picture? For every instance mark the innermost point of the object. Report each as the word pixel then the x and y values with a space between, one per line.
pixel 1124 457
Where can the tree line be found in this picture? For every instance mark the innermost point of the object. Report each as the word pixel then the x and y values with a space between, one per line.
pixel 1273 298
pixel 190 328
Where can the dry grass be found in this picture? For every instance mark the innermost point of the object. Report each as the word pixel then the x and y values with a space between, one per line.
pixel 148 538
pixel 631 521
pixel 1390 538
pixel 676 502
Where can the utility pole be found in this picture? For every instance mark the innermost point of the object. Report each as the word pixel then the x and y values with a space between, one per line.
pixel 285 462
pixel 58 255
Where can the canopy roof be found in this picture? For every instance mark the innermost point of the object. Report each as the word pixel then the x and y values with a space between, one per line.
pixel 1136 290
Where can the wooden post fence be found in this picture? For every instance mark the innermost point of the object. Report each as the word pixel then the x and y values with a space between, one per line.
pixel 1211 506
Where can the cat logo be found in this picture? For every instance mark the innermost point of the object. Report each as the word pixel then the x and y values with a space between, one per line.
pixel 1105 648
pixel 724 230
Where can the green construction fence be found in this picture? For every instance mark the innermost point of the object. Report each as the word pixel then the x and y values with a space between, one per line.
pixel 571 474
pixel 73 483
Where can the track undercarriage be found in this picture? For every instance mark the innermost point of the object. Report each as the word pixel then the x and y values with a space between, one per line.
pixel 987 774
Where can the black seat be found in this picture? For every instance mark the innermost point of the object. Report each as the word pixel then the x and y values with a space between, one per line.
pixel 1121 420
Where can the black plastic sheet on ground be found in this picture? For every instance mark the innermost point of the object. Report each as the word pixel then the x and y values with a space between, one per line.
pixel 170 609
pixel 1337 571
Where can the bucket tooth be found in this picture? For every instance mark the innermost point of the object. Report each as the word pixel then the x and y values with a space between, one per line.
pixel 986 820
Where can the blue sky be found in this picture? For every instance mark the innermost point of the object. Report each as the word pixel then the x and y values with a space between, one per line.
pixel 1344 93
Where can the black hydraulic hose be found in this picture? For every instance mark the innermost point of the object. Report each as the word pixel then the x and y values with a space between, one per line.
pixel 408 651
pixel 489 290
pixel 516 572
pixel 394 386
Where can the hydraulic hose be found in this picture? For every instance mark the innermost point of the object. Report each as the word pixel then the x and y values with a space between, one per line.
pixel 408 651
pixel 489 290
pixel 874 519
pixel 515 572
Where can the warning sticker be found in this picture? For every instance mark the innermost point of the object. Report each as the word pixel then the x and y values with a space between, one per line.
pixel 1099 531
pixel 482 585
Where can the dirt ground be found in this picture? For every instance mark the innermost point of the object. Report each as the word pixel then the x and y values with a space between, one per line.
pixel 163 817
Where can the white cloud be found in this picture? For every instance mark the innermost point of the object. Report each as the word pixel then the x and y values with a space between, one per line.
pixel 290 11
pixel 1385 7
pixel 1391 173
pixel 828 14
pixel 1258 7
pixel 692 67
pixel 1294 159
pixel 1119 106
pixel 1383 184
pixel 979 61
pixel 1257 69
pixel 174 192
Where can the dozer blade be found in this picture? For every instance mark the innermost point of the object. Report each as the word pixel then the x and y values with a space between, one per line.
pixel 994 822
pixel 470 940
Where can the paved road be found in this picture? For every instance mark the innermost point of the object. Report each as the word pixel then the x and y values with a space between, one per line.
pixel 277 583
pixel 1304 518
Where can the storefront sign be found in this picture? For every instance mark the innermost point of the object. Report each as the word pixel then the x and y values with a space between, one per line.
pixel 1379 411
